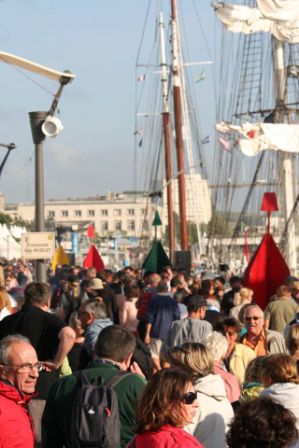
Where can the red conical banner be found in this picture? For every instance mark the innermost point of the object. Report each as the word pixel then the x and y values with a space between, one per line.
pixel 266 271
pixel 93 259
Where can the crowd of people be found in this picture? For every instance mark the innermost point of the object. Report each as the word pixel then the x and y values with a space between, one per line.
pixel 145 359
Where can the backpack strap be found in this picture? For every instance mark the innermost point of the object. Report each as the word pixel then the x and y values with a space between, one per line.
pixel 117 378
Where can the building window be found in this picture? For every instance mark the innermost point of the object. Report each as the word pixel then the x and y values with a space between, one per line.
pixel 104 212
pixel 104 226
pixel 117 212
pixel 90 212
pixel 143 211
pixel 51 214
pixel 77 213
pixel 131 211
pixel 64 213
pixel 131 225
pixel 117 226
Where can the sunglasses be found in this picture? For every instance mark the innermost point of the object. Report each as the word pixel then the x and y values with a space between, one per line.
pixel 189 397
pixel 248 319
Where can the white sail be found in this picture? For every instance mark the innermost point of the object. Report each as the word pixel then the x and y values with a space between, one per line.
pixel 283 24
pixel 257 137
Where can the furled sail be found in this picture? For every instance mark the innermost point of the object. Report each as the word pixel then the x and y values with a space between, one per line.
pixel 278 17
pixel 256 137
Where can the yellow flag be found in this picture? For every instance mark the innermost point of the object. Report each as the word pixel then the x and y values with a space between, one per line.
pixel 60 257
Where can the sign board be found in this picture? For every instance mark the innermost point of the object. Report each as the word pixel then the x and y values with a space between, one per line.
pixel 38 245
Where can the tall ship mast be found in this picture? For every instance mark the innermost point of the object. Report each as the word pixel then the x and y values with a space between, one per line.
pixel 258 124
pixel 178 180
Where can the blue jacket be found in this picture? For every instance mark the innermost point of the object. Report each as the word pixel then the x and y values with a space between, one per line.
pixel 92 332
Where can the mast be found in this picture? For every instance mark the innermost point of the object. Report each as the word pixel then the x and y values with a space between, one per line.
pixel 285 159
pixel 166 131
pixel 178 128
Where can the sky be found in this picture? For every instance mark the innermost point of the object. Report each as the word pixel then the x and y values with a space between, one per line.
pixel 97 40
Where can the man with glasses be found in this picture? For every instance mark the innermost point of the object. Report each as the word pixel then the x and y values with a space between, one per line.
pixel 19 370
pixel 262 341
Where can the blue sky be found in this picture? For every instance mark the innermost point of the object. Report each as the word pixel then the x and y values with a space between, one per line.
pixel 98 40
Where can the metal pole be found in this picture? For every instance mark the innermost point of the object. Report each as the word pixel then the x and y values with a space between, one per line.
pixel 36 121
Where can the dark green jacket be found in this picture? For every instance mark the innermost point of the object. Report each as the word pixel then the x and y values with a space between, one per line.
pixel 56 419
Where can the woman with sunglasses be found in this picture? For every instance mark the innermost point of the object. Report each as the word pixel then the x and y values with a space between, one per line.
pixel 215 411
pixel 168 403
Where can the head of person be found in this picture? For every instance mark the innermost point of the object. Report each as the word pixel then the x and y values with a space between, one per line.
pixel 168 399
pixel 196 306
pixel 75 324
pixel 154 280
pixel 279 368
pixel 217 344
pixel 230 328
pixel 253 372
pixel 207 287
pixel 235 283
pixel 18 363
pixel 283 291
pixel 133 292
pixel 91 273
pixel 194 357
pixel 90 311
pixel 294 287
pixel 95 287
pixel 254 320
pixel 38 294
pixel 292 341
pixel 262 423
pixel 162 287
pixel 219 282
pixel 243 296
pixel 4 299
pixel 116 344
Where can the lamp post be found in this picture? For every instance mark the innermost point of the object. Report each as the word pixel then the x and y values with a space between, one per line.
pixel 36 121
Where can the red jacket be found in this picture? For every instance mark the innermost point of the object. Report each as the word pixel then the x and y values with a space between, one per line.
pixel 167 437
pixel 16 428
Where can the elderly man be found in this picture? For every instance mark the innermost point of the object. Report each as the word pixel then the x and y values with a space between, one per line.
pixel 262 341
pixel 19 370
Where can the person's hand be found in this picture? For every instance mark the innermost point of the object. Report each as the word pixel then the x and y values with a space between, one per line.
pixel 147 339
pixel 49 366
pixel 134 368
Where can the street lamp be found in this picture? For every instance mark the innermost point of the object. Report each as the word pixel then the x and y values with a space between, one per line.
pixel 43 124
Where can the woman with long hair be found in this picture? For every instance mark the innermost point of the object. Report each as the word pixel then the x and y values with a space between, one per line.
pixel 168 403
pixel 292 343
pixel 215 411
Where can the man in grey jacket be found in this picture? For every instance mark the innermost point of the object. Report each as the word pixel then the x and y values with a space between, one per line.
pixel 192 328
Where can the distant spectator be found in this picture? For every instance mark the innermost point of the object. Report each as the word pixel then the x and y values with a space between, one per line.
pixel 128 311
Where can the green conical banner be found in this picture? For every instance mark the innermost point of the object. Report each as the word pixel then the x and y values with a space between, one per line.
pixel 157 258
pixel 157 220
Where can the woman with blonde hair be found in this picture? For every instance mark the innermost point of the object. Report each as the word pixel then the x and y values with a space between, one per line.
pixel 241 298
pixel 215 411
pixel 4 303
pixel 280 378
pixel 168 403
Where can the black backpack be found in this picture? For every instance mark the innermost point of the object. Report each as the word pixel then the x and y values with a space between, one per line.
pixel 95 415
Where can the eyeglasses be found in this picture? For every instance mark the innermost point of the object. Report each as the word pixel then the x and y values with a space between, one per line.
pixel 248 319
pixel 27 367
pixel 189 397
